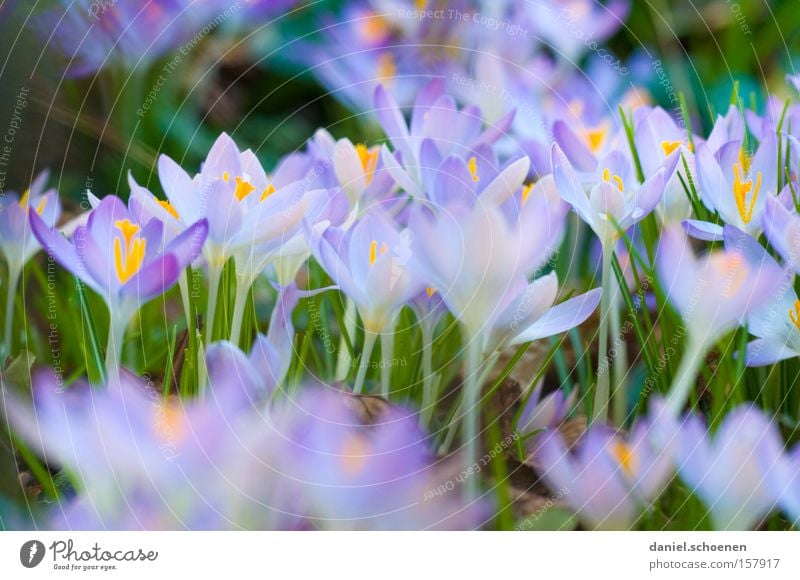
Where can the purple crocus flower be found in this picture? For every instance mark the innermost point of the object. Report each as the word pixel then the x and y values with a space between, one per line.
pixel 616 195
pixel 713 295
pixel 17 242
pixel 438 131
pixel 776 324
pixel 727 128
pixel 784 482
pixel 122 260
pixel 380 476
pixel 735 185
pixel 609 480
pixel 782 228
pixel 369 263
pixel 657 137
pixel 93 35
pixel 545 412
pixel 731 469
pixel 251 218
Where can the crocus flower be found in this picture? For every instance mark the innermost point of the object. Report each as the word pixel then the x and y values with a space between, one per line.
pixel 713 295
pixel 122 260
pixel 438 130
pixel 735 185
pixel 657 137
pixel 379 476
pixel 609 480
pixel 250 217
pixel 782 228
pixel 480 260
pixel 94 34
pixel 730 470
pixel 776 324
pixel 784 482
pixel 727 128
pixel 545 411
pixel 368 262
pixel 616 196
pixel 17 242
pixel 143 462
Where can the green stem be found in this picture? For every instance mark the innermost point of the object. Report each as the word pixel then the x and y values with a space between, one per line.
pixel 387 351
pixel 345 360
pixel 620 391
pixel 240 301
pixel 686 376
pixel 13 283
pixel 363 363
pixel 183 285
pixel 600 408
pixel 214 275
pixel 472 415
pixel 116 337
pixel 429 395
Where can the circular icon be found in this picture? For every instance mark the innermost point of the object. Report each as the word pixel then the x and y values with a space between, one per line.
pixel 31 553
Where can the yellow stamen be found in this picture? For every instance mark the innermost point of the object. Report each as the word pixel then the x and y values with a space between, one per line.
pixel 269 190
pixel 740 191
pixel 386 67
pixel 472 165
pixel 41 206
pixel 526 191
pixel 23 201
pixel 129 261
pixel 373 252
pixel 615 178
pixel 596 137
pixel 430 291
pixel 625 456
pixel 794 314
pixel 369 160
pixel 243 188
pixel 670 146
pixel 168 207
pixel 226 177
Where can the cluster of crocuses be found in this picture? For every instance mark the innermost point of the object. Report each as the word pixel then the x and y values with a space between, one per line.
pixel 446 216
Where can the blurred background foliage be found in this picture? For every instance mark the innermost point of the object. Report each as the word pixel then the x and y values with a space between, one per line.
pixel 246 80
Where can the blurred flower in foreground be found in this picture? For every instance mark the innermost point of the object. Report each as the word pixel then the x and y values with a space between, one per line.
pixel 731 470
pixel 713 295
pixel 17 242
pixel 782 228
pixel 776 324
pixel 609 480
pixel 379 476
pixel 122 260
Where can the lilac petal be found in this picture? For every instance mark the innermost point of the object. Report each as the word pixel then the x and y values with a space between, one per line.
pixel 701 230
pixel 507 182
pixel 569 186
pixel 102 219
pixel 62 251
pixel 765 351
pixel 429 94
pixel 233 379
pixel 453 184
pixel 179 188
pixel 224 213
pixel 561 317
pixel 392 122
pixel 575 149
pixel 153 279
pixel 188 245
pixel 401 177
pixel 650 194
